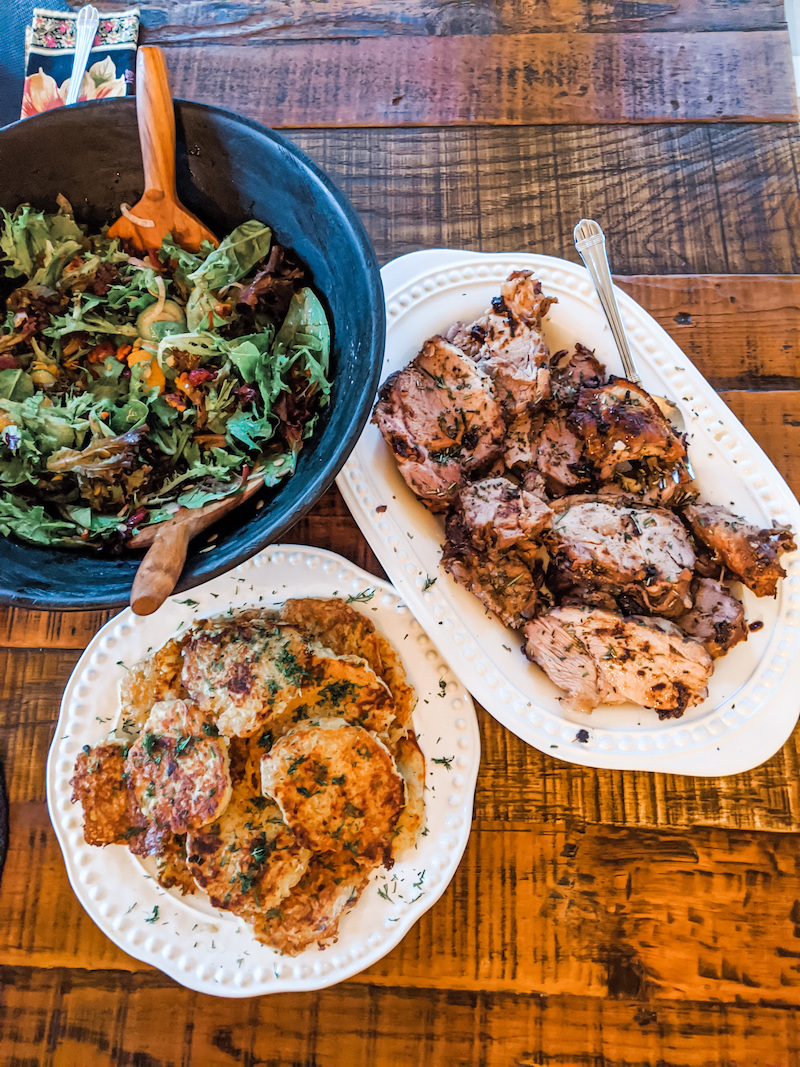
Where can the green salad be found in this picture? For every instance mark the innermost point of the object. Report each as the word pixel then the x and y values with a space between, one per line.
pixel 132 386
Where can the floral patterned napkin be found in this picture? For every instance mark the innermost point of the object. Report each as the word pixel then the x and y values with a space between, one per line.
pixel 49 50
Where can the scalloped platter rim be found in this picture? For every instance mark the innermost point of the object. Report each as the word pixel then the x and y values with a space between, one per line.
pixel 752 705
pixel 185 937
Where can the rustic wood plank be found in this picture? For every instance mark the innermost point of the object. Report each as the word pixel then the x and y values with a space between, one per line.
pixel 423 81
pixel 517 783
pixel 740 331
pixel 64 1018
pixel 252 21
pixel 601 911
pixel 772 417
pixel 675 205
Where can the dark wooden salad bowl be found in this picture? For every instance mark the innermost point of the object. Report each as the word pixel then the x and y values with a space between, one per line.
pixel 229 169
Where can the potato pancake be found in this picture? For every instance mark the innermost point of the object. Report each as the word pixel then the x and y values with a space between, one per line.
pixel 248 859
pixel 347 632
pixel 178 769
pixel 243 669
pixel 339 687
pixel 411 765
pixel 111 815
pixel 310 914
pixel 156 677
pixel 338 788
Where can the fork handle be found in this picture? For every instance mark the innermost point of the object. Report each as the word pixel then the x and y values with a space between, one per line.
pixel 590 242
pixel 85 29
pixel 155 114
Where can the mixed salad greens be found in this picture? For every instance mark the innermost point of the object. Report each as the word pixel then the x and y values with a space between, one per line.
pixel 133 386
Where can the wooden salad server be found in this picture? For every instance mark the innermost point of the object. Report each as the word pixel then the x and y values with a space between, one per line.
pixel 168 543
pixel 159 211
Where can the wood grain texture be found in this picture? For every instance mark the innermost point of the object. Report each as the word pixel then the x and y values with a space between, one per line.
pixel 672 199
pixel 700 914
pixel 108 1019
pixel 741 332
pixel 253 21
pixel 738 330
pixel 420 81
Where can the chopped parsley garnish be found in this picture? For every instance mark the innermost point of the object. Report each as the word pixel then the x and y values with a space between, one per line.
pixel 287 664
pixel 210 729
pixel 428 583
pixel 445 761
pixel 152 918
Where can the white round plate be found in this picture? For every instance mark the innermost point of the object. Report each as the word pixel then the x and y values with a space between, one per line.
pixel 753 695
pixel 185 937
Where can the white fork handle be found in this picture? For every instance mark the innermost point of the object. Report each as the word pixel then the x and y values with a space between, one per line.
pixel 85 28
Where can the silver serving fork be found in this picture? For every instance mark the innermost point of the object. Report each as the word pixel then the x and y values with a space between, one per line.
pixel 590 242
pixel 85 28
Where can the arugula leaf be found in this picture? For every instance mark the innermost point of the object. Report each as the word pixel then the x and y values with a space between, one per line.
pixel 306 326
pixel 185 263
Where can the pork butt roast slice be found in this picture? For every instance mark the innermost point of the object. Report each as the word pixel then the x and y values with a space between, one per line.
pixel 514 351
pixel 751 554
pixel 599 657
pixel 716 617
pixel 618 423
pixel 441 419
pixel 499 514
pixel 504 583
pixel 603 543
pixel 569 371
pixel 556 452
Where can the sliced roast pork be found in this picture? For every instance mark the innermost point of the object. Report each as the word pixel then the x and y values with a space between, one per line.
pixel 751 554
pixel 605 544
pixel 514 351
pixel 619 422
pixel 441 419
pixel 599 657
pixel 571 370
pixel 716 617
pixel 505 582
pixel 499 514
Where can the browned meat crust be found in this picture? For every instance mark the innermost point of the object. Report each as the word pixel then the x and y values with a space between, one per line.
pixel 716 617
pixel 110 812
pixel 441 419
pixel 599 657
pixel 505 585
pixel 619 422
pixel 569 371
pixel 750 553
pixel 605 544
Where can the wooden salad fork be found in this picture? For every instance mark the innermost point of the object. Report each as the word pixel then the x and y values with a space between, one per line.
pixel 158 213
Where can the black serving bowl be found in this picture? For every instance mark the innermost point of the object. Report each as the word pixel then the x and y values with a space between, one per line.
pixel 229 169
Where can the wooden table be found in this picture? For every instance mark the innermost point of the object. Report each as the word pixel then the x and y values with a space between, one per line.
pixel 597 917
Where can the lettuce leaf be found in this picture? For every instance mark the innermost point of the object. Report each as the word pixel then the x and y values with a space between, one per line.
pixel 25 235
pixel 237 254
pixel 31 522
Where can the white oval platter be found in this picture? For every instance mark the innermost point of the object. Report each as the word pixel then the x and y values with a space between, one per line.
pixel 208 950
pixel 754 695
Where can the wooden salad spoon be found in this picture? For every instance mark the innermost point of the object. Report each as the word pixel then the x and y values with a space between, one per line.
pixel 158 213
pixel 168 543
